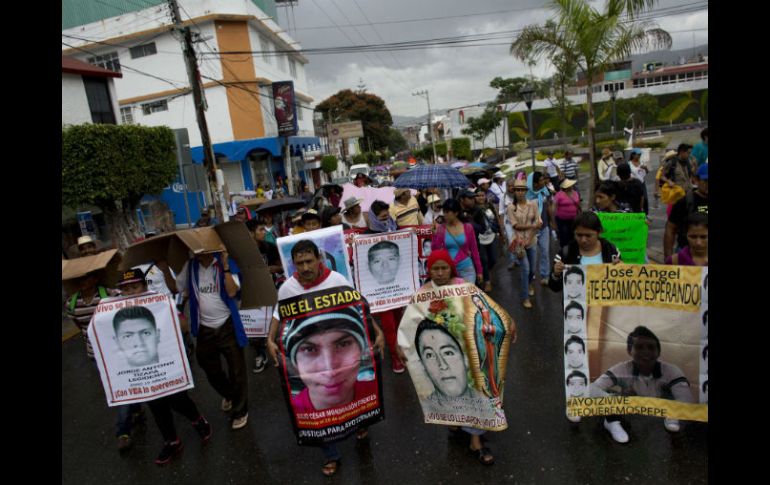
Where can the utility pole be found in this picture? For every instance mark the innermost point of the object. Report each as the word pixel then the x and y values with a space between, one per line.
pixel 430 124
pixel 209 160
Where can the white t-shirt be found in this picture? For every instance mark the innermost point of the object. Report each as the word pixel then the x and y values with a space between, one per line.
pixel 292 287
pixel 552 167
pixel 638 172
pixel 361 222
pixel 212 309
pixel 155 280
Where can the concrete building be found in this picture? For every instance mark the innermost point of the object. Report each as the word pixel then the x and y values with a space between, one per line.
pixel 87 93
pixel 241 51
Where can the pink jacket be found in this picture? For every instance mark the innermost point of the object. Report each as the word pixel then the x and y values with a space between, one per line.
pixel 468 249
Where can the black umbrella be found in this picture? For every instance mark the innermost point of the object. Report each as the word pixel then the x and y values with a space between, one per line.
pixel 284 204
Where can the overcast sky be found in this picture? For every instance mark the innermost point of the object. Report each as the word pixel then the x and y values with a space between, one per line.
pixel 454 76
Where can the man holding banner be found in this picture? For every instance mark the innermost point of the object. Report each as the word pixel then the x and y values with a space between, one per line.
pixel 328 365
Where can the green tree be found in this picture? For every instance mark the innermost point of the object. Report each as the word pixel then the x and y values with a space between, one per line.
pixel 367 108
pixel 644 107
pixel 591 40
pixel 480 128
pixel 329 164
pixel 461 148
pixel 113 167
pixel 396 141
pixel 508 88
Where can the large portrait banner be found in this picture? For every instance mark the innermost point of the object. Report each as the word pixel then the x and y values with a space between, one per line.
pixel 139 349
pixel 636 340
pixel 331 245
pixel 386 269
pixel 330 375
pixel 456 341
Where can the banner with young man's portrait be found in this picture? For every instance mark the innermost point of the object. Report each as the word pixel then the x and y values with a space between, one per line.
pixel 329 372
pixel 331 245
pixel 386 270
pixel 636 340
pixel 139 349
pixel 456 341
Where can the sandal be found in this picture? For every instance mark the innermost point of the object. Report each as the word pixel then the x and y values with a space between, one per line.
pixel 362 434
pixel 527 304
pixel 484 455
pixel 330 467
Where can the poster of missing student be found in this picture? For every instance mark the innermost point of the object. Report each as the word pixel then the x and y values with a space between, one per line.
pixel 139 349
pixel 636 340
pixel 329 371
pixel 386 269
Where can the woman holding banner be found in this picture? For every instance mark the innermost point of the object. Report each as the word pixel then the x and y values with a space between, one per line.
pixel 382 222
pixel 460 240
pixel 437 346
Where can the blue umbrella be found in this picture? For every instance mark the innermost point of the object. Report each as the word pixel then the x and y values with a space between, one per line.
pixel 432 176
pixel 478 164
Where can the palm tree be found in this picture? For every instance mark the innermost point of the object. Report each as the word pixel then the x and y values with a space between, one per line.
pixel 591 40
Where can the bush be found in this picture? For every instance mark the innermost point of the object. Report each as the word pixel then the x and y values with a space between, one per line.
pixel 358 158
pixel 461 148
pixel 329 164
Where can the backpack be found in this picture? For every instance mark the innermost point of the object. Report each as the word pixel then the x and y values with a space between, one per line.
pixel 74 299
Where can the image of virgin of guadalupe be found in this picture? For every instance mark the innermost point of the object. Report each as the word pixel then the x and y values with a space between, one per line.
pixel 489 332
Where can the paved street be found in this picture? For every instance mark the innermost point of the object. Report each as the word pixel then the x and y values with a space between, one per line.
pixel 540 445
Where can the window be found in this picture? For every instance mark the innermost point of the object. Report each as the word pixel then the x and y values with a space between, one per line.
pixel 143 50
pixel 293 68
pixel 109 61
pixel 265 49
pixel 127 115
pixel 99 101
pixel 154 107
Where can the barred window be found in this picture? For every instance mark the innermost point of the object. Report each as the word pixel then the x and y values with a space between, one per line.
pixel 109 61
pixel 154 107
pixel 143 50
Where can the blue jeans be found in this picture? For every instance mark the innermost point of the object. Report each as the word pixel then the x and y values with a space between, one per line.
pixel 527 271
pixel 509 235
pixel 544 247
pixel 126 418
pixel 330 451
pixel 468 274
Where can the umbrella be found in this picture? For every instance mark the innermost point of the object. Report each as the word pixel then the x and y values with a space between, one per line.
pixel 285 204
pixel 432 176
pixel 479 165
pixel 459 164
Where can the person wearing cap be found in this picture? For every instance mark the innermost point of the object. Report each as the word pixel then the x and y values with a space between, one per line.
pixel 498 188
pixel 526 221
pixel 482 186
pixel 242 214
pixel 405 209
pixel 467 199
pixel 352 214
pixel 567 204
pixel 313 275
pixel 86 246
pixel 210 281
pixel 537 190
pixel 695 201
pixel 311 220
pixel 607 166
pixel 434 209
pixel 553 170
pixel 132 283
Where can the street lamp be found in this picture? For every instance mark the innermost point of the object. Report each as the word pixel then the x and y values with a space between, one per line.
pixel 612 97
pixel 424 92
pixel 527 93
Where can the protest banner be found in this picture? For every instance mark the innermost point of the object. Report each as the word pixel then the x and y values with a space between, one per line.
pixel 331 245
pixel 386 271
pixel 256 322
pixel 628 231
pixel 368 194
pixel 636 340
pixel 330 375
pixel 456 341
pixel 139 348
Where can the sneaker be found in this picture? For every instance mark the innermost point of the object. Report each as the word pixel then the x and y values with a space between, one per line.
pixel 226 405
pixel 239 423
pixel 259 363
pixel 573 419
pixel 203 428
pixel 531 290
pixel 527 303
pixel 169 451
pixel 544 282
pixel 398 367
pixel 616 430
pixel 671 425
pixel 124 442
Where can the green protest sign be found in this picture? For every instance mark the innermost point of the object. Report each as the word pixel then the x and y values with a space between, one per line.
pixel 627 231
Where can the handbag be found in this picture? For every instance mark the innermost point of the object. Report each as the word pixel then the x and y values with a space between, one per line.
pixel 671 195
pixel 517 248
